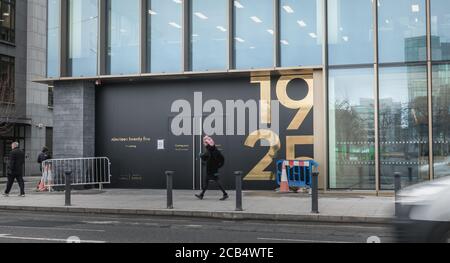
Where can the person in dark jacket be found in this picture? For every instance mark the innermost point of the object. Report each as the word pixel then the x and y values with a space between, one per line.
pixel 43 156
pixel 15 170
pixel 214 161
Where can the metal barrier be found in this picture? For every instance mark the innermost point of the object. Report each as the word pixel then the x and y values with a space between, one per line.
pixel 299 173
pixel 84 171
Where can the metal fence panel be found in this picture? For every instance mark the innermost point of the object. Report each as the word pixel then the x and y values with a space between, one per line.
pixel 85 171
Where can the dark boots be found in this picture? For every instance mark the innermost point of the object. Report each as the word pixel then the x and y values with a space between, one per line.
pixel 225 197
pixel 201 196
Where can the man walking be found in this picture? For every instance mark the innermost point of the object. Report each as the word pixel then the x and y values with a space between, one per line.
pixel 15 170
pixel 214 160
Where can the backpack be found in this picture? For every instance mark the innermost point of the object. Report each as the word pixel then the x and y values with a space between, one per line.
pixel 42 157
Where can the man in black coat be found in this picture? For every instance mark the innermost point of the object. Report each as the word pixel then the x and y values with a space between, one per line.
pixel 214 160
pixel 15 170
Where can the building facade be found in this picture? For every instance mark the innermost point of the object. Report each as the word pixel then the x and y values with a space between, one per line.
pixel 25 112
pixel 361 86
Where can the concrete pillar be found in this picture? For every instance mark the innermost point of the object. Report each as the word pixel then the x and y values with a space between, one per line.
pixel 74 119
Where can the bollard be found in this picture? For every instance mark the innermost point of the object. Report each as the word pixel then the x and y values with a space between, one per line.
pixel 169 175
pixel 68 174
pixel 238 175
pixel 410 175
pixel 397 188
pixel 315 193
pixel 361 173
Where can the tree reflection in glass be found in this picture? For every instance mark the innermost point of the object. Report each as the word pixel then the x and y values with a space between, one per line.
pixel 352 134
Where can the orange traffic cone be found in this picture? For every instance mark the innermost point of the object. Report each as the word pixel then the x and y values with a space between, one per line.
pixel 284 184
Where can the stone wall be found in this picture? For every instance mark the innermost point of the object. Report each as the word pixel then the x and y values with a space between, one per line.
pixel 37 108
pixel 74 120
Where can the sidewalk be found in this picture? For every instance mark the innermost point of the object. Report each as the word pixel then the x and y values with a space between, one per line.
pixel 262 205
pixel 27 179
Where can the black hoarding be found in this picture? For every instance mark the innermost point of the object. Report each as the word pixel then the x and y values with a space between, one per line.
pixel 146 128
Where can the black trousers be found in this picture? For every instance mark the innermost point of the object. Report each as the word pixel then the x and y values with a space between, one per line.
pixel 10 183
pixel 215 179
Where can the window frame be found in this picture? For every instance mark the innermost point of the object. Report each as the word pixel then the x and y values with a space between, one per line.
pixel 9 63
pixel 11 31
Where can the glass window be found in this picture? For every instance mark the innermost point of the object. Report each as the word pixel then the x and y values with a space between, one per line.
pixel 352 132
pixel 7 20
pixel 301 32
pixel 123 37
pixel 254 34
pixel 165 35
pixel 209 34
pixel 402 30
pixel 50 97
pixel 441 119
pixel 350 32
pixel 403 125
pixel 7 86
pixel 53 38
pixel 83 27
pixel 440 29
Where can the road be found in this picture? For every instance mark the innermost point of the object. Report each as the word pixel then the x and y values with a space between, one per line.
pixel 39 227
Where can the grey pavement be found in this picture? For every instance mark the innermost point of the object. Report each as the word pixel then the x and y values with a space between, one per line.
pixel 29 180
pixel 263 205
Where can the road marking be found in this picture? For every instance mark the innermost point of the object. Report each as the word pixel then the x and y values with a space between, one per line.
pixel 301 240
pixel 194 226
pixel 54 228
pixel 8 236
pixel 141 224
pixel 101 222
pixel 319 225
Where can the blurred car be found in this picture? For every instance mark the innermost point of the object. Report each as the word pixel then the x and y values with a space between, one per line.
pixel 441 167
pixel 423 212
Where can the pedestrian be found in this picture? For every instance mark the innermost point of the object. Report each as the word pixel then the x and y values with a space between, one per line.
pixel 15 169
pixel 45 170
pixel 43 156
pixel 214 160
